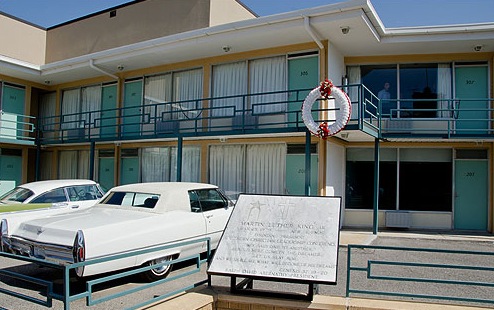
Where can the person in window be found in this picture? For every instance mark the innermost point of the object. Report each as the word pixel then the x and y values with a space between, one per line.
pixel 384 96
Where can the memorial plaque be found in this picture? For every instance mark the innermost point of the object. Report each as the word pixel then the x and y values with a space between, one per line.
pixel 281 237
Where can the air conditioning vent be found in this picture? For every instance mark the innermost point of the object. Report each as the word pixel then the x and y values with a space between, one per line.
pixel 398 219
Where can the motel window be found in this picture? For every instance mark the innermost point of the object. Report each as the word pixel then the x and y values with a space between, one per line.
pixel 408 90
pixel 159 164
pixel 254 77
pixel 409 179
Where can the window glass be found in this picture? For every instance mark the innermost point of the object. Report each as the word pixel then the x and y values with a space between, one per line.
pixel 418 83
pixel 17 194
pixel 360 185
pixel 423 176
pixel 83 192
pixel 381 81
pixel 131 199
pixel 57 195
pixel 209 199
pixel 426 186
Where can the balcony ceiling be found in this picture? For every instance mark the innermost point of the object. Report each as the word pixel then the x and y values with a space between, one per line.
pixel 366 37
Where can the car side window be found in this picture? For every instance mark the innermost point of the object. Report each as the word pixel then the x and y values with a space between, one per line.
pixel 83 192
pixel 206 200
pixel 131 199
pixel 195 206
pixel 56 195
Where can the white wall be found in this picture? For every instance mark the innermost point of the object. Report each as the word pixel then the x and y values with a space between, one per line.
pixel 335 173
pixel 336 64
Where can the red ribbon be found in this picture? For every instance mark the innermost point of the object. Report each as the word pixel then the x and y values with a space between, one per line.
pixel 323 130
pixel 325 88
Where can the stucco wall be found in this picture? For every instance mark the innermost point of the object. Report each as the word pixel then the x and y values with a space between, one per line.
pixel 227 11
pixel 133 23
pixel 22 41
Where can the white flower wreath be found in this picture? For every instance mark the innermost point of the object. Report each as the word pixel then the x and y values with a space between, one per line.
pixel 342 102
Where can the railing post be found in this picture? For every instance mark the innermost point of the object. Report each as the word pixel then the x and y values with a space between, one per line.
pixel 66 288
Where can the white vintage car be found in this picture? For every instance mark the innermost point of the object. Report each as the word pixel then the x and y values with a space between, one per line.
pixel 51 193
pixel 128 217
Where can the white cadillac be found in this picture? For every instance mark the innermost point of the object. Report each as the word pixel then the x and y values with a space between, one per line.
pixel 128 217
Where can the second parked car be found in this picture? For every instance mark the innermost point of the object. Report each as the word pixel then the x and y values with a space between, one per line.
pixel 76 193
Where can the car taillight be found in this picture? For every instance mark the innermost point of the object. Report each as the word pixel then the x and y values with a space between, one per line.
pixel 79 252
pixel 4 230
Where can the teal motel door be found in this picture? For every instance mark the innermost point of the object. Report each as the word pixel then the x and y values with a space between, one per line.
pixel 106 172
pixel 129 166
pixel 470 202
pixel 471 115
pixel 295 174
pixel 12 104
pixel 108 119
pixel 303 73
pixel 11 168
pixel 131 114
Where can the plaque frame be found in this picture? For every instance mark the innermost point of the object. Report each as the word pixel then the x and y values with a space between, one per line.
pixel 246 286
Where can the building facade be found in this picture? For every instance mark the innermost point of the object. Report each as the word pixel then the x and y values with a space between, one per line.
pixel 213 93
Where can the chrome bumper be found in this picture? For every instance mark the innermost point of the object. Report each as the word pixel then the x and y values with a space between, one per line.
pixel 51 252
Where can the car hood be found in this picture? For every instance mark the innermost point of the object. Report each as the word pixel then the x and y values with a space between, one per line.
pixel 62 228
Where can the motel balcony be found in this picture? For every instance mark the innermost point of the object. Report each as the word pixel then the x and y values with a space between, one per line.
pixel 273 113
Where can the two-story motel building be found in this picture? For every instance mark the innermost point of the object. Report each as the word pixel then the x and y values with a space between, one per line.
pixel 204 90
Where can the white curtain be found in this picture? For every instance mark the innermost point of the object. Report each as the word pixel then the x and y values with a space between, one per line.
pixel 444 89
pixel 266 168
pixel 267 75
pixel 158 90
pixel 45 165
pixel 67 165
pixel 83 164
pixel 70 105
pixel 187 85
pixel 353 74
pixel 229 80
pixel 191 164
pixel 91 105
pixel 155 164
pixel 47 108
pixel 227 168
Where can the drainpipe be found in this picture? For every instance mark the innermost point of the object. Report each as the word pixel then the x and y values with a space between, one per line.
pixel 92 65
pixel 310 31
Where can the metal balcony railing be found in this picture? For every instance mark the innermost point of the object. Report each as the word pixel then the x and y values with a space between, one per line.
pixel 270 112
pixel 17 128
pixel 273 112
pixel 444 118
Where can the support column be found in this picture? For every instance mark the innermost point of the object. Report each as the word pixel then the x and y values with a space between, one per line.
pixel 91 160
pixel 375 219
pixel 180 144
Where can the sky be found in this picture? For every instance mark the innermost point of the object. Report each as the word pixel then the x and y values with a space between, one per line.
pixel 393 13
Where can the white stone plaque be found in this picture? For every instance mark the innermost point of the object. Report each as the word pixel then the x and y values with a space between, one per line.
pixel 281 237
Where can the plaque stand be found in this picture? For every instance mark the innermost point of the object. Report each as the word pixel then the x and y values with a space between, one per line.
pixel 246 287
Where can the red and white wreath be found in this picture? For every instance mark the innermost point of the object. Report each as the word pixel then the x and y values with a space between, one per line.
pixel 342 104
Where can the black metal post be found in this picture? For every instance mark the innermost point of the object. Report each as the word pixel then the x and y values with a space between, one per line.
pixel 375 221
pixel 180 144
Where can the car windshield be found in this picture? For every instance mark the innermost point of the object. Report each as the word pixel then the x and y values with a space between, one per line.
pixel 132 199
pixel 18 194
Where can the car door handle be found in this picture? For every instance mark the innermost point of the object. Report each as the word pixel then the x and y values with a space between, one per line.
pixel 209 216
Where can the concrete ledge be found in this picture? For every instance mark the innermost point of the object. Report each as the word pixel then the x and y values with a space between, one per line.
pixel 219 298
pixel 187 301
